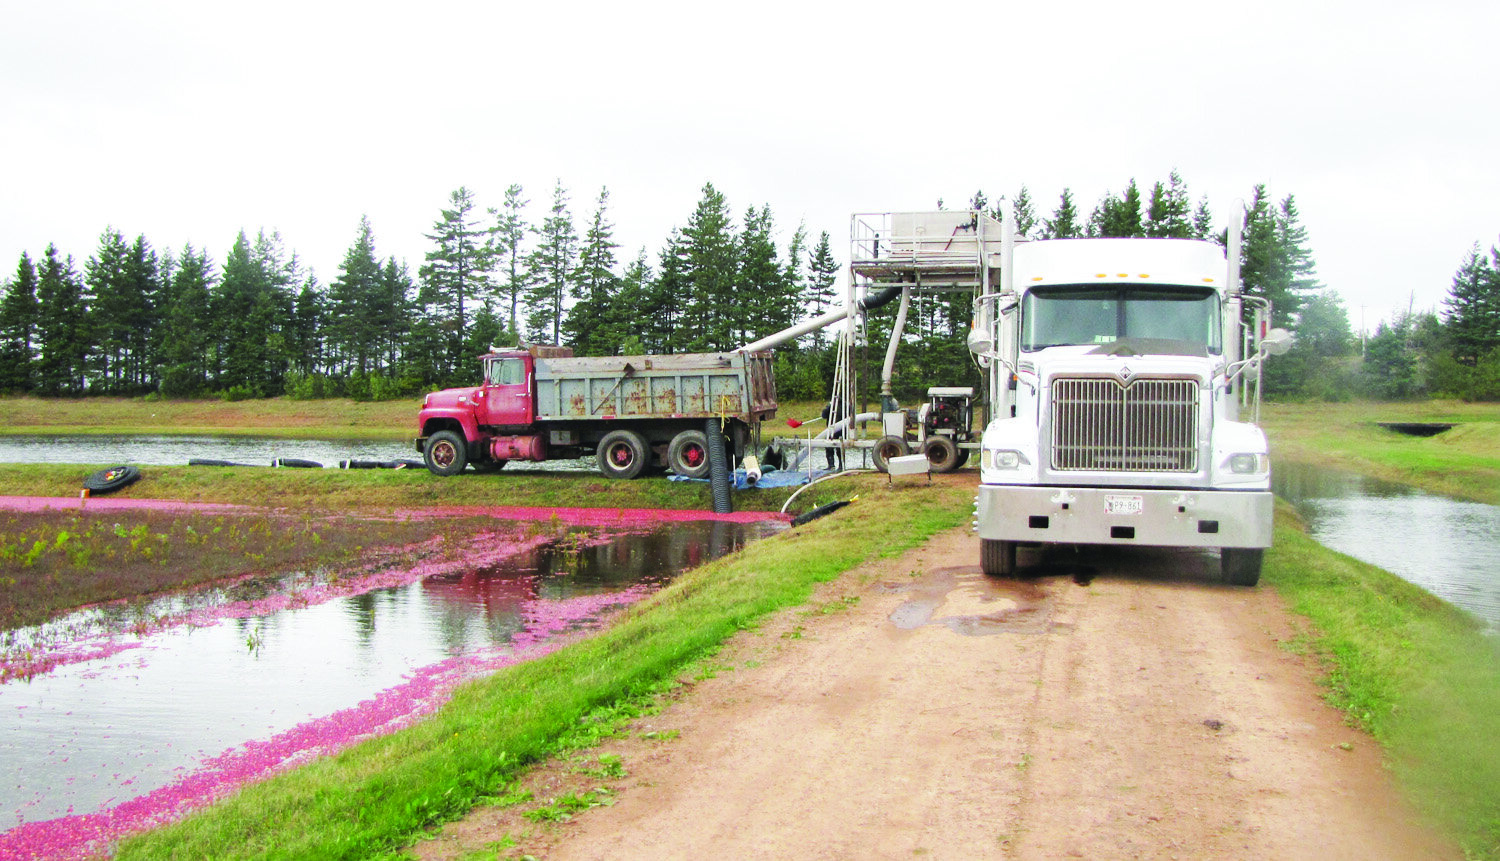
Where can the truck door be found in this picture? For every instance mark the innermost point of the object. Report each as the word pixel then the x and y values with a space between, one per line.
pixel 507 391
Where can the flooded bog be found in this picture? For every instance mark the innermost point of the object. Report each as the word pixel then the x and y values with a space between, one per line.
pixel 141 726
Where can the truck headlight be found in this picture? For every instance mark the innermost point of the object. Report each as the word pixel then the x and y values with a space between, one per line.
pixel 1247 464
pixel 1003 458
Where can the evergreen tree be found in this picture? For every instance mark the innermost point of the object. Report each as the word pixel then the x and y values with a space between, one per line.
pixel 393 303
pixel 765 305
pixel 1275 261
pixel 590 324
pixel 353 336
pixel 796 252
pixel 551 266
pixel 509 233
pixel 635 328
pixel 456 273
pixel 1167 214
pixel 18 329
pixel 1472 314
pixel 188 344
pixel 823 271
pixel 1118 216
pixel 252 303
pixel 307 331
pixel 711 274
pixel 1064 221
pixel 1025 213
pixel 1392 365
pixel 662 311
pixel 1203 220
pixel 62 320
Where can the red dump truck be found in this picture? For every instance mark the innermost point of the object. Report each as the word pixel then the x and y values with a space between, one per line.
pixel 633 413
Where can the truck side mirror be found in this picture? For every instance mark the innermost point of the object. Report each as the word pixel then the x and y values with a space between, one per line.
pixel 1277 342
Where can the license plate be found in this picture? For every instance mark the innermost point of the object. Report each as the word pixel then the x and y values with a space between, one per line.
pixel 1124 504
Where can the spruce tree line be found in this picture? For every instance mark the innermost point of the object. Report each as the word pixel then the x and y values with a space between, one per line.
pixel 131 320
pixel 1454 351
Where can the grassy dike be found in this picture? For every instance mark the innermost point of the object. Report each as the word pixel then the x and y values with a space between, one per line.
pixel 1414 671
pixel 1462 462
pixel 1409 668
pixel 379 796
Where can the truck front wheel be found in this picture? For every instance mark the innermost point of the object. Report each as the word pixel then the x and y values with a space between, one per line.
pixel 623 454
pixel 997 558
pixel 688 454
pixel 1240 566
pixel 446 453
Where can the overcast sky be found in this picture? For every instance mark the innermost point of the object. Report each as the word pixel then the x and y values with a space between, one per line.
pixel 190 121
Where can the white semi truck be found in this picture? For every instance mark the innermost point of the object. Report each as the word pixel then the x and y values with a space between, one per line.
pixel 1116 370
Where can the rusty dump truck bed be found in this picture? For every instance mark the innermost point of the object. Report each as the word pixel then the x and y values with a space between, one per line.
pixel 684 385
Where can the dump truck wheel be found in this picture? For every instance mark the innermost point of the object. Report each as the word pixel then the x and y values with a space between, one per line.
pixel 446 454
pixel 623 454
pixel 688 454
pixel 1240 566
pixel 997 558
pixel 886 448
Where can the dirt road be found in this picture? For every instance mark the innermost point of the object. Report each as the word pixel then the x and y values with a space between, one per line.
pixel 1117 706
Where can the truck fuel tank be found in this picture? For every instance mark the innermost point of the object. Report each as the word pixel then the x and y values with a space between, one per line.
pixel 530 447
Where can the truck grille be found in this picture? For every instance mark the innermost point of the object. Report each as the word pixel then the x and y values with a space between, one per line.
pixel 1144 426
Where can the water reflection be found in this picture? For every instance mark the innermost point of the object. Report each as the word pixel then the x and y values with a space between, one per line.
pixel 90 735
pixel 1447 546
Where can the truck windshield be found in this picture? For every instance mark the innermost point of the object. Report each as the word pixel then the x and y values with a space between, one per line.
pixel 1103 314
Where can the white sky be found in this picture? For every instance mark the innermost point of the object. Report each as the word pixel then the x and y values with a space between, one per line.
pixel 189 121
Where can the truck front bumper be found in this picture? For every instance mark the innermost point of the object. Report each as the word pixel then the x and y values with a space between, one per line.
pixel 1099 515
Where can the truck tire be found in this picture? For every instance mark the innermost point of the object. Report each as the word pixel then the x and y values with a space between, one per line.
pixel 942 454
pixel 997 558
pixel 886 448
pixel 623 454
pixel 112 479
pixel 446 454
pixel 687 455
pixel 1240 566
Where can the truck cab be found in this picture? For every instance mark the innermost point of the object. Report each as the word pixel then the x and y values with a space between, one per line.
pixel 1117 405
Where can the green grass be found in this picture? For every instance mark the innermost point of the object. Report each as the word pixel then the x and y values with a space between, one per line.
pixel 344 489
pixel 381 795
pixel 1462 462
pixel 275 417
pixel 1412 670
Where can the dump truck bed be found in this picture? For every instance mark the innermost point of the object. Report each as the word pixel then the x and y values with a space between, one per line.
pixel 684 385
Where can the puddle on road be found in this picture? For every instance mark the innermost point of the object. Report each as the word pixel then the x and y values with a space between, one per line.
pixel 968 603
pixel 173 717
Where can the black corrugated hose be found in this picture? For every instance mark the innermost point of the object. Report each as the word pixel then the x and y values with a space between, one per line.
pixel 720 478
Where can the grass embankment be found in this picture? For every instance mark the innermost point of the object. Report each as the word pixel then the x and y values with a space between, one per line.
pixel 1462 462
pixel 1411 669
pixel 379 796
pixel 273 417
pixel 349 489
